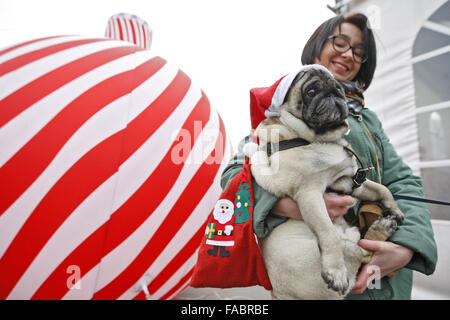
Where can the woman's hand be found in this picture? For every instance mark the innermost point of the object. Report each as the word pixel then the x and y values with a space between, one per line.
pixel 337 205
pixel 387 257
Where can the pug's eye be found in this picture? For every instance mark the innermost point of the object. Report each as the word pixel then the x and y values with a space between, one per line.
pixel 311 92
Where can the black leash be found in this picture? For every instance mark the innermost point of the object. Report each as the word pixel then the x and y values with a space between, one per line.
pixel 360 175
pixel 400 197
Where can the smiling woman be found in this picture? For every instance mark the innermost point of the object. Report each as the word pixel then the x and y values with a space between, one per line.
pixel 342 63
pixel 344 46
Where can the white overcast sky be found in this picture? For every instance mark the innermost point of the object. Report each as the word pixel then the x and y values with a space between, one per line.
pixel 226 47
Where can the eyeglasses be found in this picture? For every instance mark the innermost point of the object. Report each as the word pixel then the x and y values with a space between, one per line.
pixel 341 44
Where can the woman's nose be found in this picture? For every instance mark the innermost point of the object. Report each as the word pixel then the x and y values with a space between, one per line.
pixel 348 55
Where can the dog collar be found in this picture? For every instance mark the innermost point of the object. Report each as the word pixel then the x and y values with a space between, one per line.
pixel 359 177
pixel 271 148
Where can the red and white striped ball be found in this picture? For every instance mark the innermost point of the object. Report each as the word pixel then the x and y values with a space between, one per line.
pixel 110 163
pixel 128 27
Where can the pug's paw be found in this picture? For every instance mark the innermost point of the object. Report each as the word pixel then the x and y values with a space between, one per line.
pixel 382 229
pixel 336 279
pixel 394 211
pixel 397 214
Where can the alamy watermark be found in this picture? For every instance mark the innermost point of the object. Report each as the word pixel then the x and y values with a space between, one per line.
pixel 373 13
pixel 204 146
pixel 74 280
pixel 374 280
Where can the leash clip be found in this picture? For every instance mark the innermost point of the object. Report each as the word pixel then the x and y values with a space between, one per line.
pixel 360 176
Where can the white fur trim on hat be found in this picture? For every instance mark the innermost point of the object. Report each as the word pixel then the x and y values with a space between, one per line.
pixel 250 148
pixel 283 87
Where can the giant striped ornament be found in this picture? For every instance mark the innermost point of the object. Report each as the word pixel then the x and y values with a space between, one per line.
pixel 128 27
pixel 110 163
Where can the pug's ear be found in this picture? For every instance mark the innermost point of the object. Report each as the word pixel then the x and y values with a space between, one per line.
pixel 294 82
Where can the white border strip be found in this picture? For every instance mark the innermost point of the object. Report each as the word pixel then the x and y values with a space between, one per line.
pixel 437 27
pixel 433 107
pixel 430 54
pixel 434 164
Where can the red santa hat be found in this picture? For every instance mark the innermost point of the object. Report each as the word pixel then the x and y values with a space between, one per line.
pixel 266 102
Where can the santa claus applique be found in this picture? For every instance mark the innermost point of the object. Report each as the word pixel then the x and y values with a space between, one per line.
pixel 219 233
pixel 229 234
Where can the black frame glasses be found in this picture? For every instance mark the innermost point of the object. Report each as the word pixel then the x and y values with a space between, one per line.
pixel 342 45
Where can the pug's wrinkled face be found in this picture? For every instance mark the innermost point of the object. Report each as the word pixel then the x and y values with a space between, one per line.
pixel 318 99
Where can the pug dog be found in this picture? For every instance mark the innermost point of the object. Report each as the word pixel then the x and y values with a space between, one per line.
pixel 314 258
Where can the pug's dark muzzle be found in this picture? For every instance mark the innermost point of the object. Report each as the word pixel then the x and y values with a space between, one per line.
pixel 325 113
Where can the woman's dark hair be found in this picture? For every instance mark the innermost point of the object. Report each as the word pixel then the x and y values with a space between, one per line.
pixel 315 43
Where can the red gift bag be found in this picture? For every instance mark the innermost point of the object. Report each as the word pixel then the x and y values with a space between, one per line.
pixel 229 255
